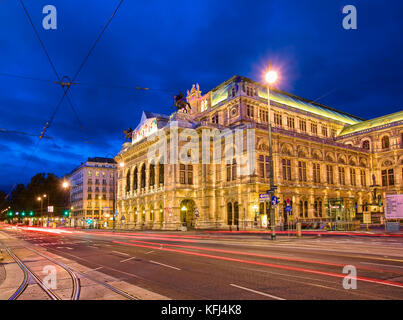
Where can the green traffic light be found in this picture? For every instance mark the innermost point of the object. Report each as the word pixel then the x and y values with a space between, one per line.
pixel 31 213
pixel 66 213
pixel 10 214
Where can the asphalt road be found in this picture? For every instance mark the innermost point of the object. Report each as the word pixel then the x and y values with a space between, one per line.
pixel 221 266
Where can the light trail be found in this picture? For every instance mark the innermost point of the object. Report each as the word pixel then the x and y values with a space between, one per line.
pixel 271 265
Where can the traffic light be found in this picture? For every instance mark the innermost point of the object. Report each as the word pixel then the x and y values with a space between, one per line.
pixel 23 213
pixel 31 213
pixel 10 213
pixel 66 213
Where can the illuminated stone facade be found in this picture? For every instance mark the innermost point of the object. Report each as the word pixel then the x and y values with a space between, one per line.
pixel 322 170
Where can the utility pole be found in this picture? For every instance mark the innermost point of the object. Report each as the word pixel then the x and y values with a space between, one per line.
pixel 271 77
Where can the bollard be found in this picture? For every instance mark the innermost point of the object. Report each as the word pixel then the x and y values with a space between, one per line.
pixel 299 234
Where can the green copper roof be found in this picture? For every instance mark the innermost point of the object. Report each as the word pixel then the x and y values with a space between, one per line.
pixel 220 93
pixel 373 123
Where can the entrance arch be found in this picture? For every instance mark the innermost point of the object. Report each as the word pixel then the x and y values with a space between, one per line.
pixel 187 208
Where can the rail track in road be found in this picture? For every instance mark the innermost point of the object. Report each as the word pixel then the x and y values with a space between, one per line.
pixel 74 274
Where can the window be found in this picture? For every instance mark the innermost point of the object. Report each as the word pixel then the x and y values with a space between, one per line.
pixel 264 166
pixel 334 133
pixel 317 208
pixel 161 173
pixel 352 177
pixel 286 164
pixel 291 122
pixel 329 174
pixel 385 142
pixel 365 144
pixel 89 197
pixel 314 128
pixel 96 181
pixel 324 131
pixel 278 119
pixel 152 175
pixel 233 92
pixel 388 178
pixel 214 119
pixel 303 209
pixel 89 181
pixel 250 111
pixel 89 189
pixel 363 178
pixel 316 173
pixel 127 181
pixel 342 177
pixel 186 174
pixel 302 171
pixel 264 116
pixel 135 176
pixel 231 170
pixel 104 181
pixel 97 173
pixel 143 177
pixel 90 173
pixel 302 125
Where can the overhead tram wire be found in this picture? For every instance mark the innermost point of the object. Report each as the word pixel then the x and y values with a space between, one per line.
pixel 47 125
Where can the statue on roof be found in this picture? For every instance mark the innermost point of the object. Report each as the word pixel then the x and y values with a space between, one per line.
pixel 128 133
pixel 180 103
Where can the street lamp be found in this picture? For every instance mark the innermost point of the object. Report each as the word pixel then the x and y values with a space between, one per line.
pixel 185 212
pixel 271 77
pixel 41 200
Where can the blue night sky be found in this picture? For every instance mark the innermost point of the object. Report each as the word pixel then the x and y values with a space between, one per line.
pixel 169 45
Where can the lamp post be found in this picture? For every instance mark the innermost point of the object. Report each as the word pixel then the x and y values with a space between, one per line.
pixel 66 186
pixel 271 77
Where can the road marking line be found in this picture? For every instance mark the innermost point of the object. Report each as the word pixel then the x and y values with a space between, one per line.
pixel 127 259
pixel 149 251
pixel 257 292
pixel 69 248
pixel 166 265
pixel 125 254
pixel 380 264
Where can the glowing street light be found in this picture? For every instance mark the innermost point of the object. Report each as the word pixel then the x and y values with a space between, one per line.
pixel 271 77
pixel 65 185
pixel 121 164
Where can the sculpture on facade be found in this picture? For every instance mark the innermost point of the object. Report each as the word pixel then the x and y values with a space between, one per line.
pixel 128 133
pixel 180 103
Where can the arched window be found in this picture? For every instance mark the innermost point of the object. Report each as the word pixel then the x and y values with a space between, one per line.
pixel 128 181
pixel 143 176
pixel 161 173
pixel 385 142
pixel 152 175
pixel 229 213
pixel 365 144
pixel 236 213
pixel 135 176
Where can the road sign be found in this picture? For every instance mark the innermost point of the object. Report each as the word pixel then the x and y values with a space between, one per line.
pixel 288 208
pixel 274 200
pixel 264 196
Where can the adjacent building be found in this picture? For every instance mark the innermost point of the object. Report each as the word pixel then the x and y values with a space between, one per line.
pixel 328 165
pixel 92 192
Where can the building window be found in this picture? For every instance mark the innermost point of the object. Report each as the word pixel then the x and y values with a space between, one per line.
pixel 365 144
pixel 90 173
pixel 334 133
pixel 89 181
pixel 278 121
pixel 286 164
pixel 135 176
pixel 97 173
pixel 316 173
pixel 89 197
pixel 352 177
pixel 250 111
pixel 264 116
pixel 291 122
pixel 231 171
pixel 127 181
pixel 317 208
pixel 342 177
pixel 388 178
pixel 143 176
pixel 314 128
pixel 363 178
pixel 186 174
pixel 329 174
pixel 302 125
pixel 161 173
pixel 214 119
pixel 385 142
pixel 152 175
pixel 302 171
pixel 324 131
pixel 264 166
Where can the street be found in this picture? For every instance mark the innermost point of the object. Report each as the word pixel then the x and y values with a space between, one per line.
pixel 202 265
